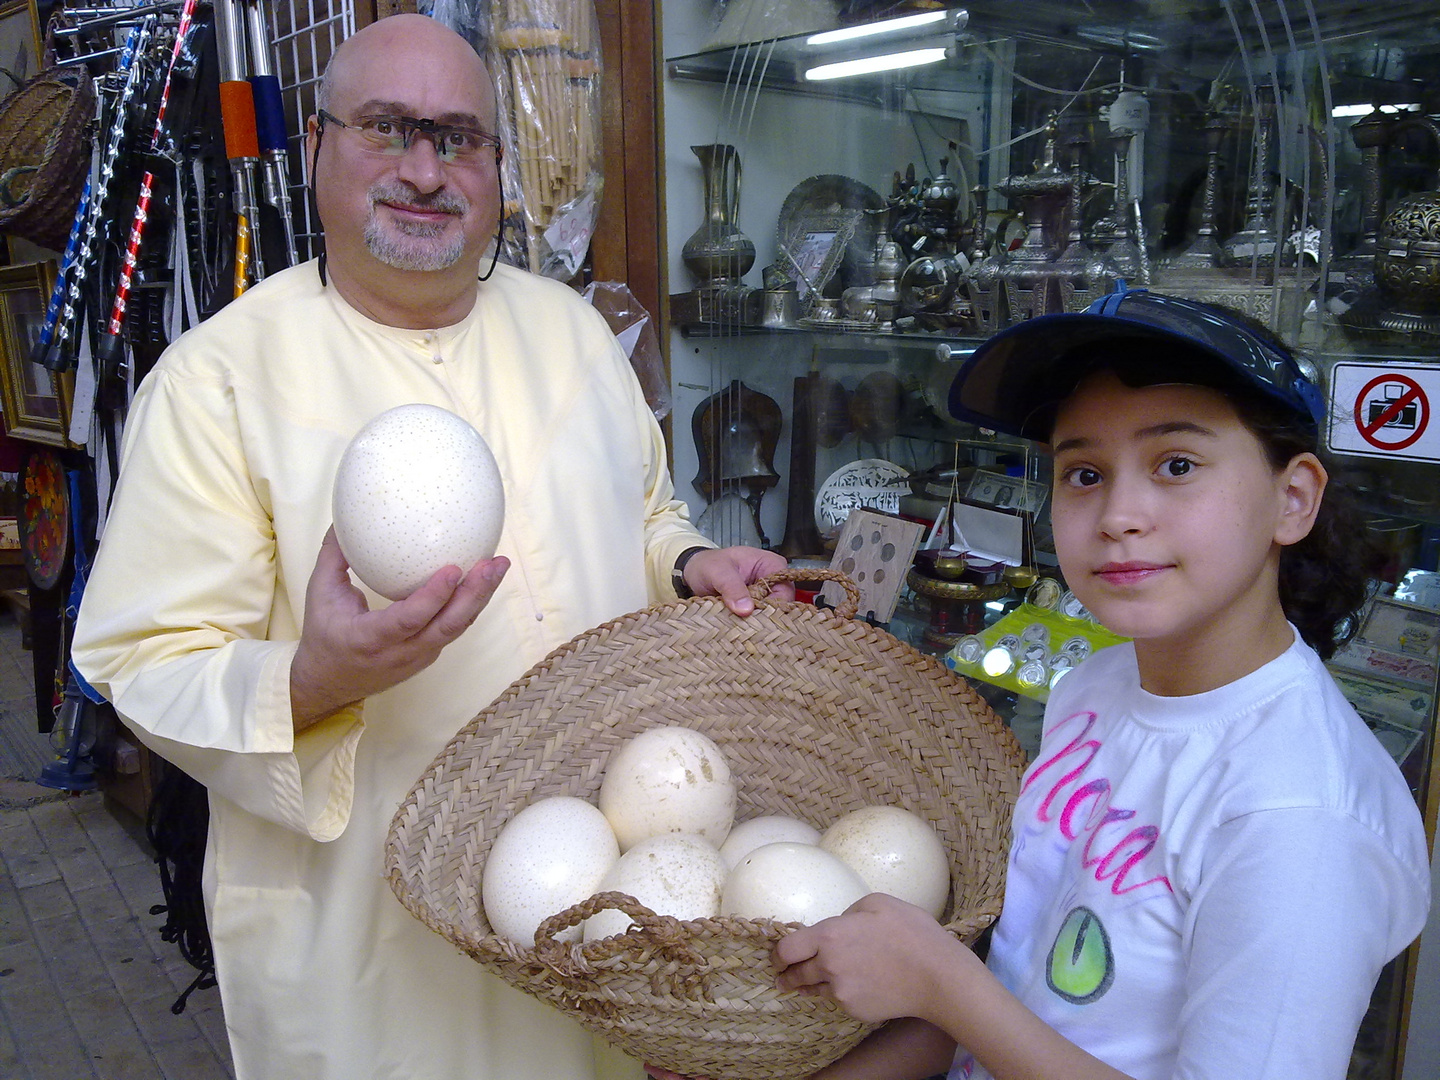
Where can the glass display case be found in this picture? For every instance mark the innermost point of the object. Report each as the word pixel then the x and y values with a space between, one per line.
pixel 857 194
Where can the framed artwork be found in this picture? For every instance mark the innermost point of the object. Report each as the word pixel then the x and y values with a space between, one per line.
pixel 35 400
pixel 809 257
pixel 813 247
pixel 20 43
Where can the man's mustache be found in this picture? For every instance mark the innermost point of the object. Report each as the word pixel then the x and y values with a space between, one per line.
pixel 397 191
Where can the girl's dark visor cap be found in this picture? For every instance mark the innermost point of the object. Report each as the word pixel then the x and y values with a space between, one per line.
pixel 1013 382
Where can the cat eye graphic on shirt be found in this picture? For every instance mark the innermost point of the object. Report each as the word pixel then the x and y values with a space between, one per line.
pixel 1081 965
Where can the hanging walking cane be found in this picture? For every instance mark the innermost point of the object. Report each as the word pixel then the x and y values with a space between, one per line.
pixel 270 126
pixel 57 294
pixel 113 370
pixel 59 352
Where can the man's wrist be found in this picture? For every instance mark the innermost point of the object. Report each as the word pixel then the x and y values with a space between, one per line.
pixel 677 575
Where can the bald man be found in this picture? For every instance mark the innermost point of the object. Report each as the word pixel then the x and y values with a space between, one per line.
pixel 221 620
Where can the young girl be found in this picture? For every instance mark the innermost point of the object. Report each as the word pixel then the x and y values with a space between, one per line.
pixel 1212 856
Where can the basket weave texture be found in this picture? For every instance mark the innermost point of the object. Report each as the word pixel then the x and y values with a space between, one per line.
pixel 45 155
pixel 817 715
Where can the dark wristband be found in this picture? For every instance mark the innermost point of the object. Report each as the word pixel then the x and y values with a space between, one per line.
pixel 677 576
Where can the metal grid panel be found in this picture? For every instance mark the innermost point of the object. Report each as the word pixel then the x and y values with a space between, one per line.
pixel 303 35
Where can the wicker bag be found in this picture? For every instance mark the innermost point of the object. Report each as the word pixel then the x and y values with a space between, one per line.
pixel 45 155
pixel 817 715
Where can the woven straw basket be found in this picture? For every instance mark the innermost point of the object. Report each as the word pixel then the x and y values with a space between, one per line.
pixel 817 715
pixel 45 155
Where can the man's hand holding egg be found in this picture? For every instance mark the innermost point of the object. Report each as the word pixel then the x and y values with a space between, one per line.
pixel 425 479
pixel 348 652
pixel 416 490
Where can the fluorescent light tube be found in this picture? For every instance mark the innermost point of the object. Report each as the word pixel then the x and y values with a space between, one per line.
pixel 866 65
pixel 1366 110
pixel 850 33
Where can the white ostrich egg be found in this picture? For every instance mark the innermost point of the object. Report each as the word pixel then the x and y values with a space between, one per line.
pixel 549 856
pixel 417 489
pixel 674 874
pixel 896 852
pixel 757 832
pixel 791 882
pixel 668 780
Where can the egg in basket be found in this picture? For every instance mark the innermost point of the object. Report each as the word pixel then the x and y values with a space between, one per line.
pixel 817 715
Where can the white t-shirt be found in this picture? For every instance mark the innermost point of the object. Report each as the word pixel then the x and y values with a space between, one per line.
pixel 1208 886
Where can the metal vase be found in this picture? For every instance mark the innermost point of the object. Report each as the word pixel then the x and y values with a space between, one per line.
pixel 718 253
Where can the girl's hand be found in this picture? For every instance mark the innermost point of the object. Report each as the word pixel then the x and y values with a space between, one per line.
pixel 880 960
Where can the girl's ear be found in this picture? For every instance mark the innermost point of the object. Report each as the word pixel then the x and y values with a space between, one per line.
pixel 1301 486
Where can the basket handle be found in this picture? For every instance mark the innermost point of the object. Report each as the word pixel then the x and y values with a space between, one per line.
pixel 661 931
pixel 847 607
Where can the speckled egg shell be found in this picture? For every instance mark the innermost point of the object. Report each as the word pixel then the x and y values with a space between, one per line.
pixel 896 852
pixel 757 832
pixel 552 854
pixel 416 490
pixel 790 882
pixel 668 780
pixel 675 874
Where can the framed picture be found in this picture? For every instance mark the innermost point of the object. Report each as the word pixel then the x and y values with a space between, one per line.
pixel 809 257
pixel 814 246
pixel 36 401
pixel 20 43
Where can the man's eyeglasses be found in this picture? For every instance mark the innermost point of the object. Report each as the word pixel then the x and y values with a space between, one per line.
pixel 392 135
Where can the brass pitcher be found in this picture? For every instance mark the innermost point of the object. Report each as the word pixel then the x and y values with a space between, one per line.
pixel 718 253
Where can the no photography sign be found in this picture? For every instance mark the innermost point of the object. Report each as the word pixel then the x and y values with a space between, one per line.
pixel 1385 410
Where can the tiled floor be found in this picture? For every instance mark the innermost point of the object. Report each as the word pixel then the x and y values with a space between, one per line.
pixel 86 983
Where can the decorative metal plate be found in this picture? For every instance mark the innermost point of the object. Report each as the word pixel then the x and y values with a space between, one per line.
pixel 872 482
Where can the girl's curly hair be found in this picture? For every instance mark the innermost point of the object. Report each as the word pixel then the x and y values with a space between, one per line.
pixel 1324 578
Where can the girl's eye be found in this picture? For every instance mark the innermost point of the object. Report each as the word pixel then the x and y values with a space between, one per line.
pixel 1080 476
pixel 1177 466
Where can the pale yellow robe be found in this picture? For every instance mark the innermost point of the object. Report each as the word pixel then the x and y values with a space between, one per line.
pixel 191 615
